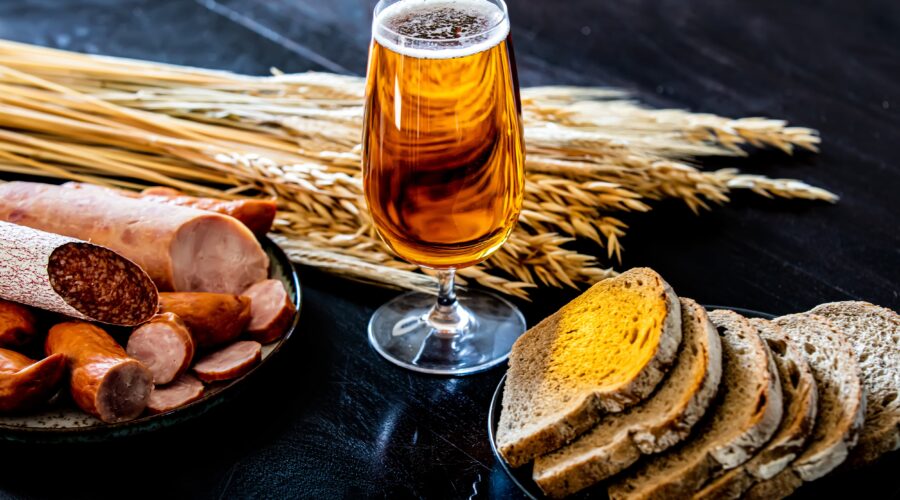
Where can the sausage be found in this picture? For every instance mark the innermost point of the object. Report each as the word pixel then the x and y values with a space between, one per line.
pixel 212 318
pixel 257 215
pixel 25 383
pixel 73 277
pixel 105 382
pixel 271 311
pixel 164 345
pixel 181 248
pixel 185 389
pixel 230 362
pixel 18 326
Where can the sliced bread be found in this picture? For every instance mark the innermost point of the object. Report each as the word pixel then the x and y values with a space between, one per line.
pixel 745 415
pixel 874 335
pixel 798 388
pixel 649 427
pixel 604 351
pixel 840 393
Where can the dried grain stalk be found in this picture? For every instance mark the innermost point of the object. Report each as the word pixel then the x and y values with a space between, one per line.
pixel 592 154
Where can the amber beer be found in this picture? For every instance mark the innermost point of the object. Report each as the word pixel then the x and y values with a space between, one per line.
pixel 443 168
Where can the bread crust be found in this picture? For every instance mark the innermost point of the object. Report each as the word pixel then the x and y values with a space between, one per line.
pixel 520 446
pixel 642 430
pixel 683 470
pixel 873 332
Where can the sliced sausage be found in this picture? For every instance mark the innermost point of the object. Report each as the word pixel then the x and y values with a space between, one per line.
pixel 212 318
pixel 72 277
pixel 257 215
pixel 105 382
pixel 18 326
pixel 183 390
pixel 164 345
pixel 229 362
pixel 271 310
pixel 25 383
pixel 181 248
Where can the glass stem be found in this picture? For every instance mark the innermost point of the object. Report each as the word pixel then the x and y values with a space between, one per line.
pixel 447 317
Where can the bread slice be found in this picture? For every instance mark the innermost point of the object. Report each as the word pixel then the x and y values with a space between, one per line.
pixel 745 415
pixel 874 335
pixel 602 352
pixel 798 388
pixel 652 426
pixel 841 404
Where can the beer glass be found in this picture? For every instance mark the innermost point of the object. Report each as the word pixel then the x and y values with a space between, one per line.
pixel 443 174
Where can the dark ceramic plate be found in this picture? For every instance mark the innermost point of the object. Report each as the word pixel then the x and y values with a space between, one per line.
pixel 62 422
pixel 521 477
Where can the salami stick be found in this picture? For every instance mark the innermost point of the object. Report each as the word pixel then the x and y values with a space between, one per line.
pixel 73 277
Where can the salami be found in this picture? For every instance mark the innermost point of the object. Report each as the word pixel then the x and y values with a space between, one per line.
pixel 72 277
pixel 185 389
pixel 105 382
pixel 212 318
pixel 230 362
pixel 181 248
pixel 271 311
pixel 257 215
pixel 164 345
pixel 18 326
pixel 25 383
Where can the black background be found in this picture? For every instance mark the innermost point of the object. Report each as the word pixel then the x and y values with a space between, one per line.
pixel 330 418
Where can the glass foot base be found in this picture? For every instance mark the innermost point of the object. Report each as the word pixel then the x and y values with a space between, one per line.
pixel 400 332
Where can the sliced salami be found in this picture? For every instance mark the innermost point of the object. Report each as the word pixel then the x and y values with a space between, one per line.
pixel 185 389
pixel 271 311
pixel 230 362
pixel 25 383
pixel 164 345
pixel 181 248
pixel 73 277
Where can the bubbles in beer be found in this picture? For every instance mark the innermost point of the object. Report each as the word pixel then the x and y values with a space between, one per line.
pixel 441 28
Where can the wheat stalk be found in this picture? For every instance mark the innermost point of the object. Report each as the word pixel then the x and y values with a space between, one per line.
pixel 592 154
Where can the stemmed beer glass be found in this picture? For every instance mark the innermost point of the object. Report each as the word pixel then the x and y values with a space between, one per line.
pixel 443 172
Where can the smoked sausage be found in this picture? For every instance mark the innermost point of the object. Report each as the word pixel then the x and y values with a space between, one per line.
pixel 164 345
pixel 181 248
pixel 271 311
pixel 212 318
pixel 257 215
pixel 25 383
pixel 229 362
pixel 105 382
pixel 18 326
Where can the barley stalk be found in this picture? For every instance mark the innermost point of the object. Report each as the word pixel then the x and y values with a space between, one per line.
pixel 592 155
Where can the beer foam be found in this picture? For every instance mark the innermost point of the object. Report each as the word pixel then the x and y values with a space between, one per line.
pixel 440 29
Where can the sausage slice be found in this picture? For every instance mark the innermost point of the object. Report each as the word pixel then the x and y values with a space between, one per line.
pixel 212 318
pixel 164 345
pixel 105 381
pixel 183 390
pixel 230 362
pixel 17 324
pixel 25 383
pixel 271 310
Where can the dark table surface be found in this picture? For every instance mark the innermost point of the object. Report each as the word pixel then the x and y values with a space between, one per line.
pixel 332 419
